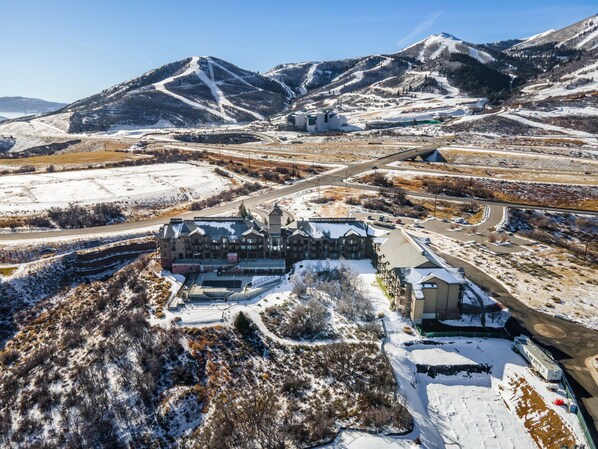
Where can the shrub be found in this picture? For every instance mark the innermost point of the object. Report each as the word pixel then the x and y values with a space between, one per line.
pixel 242 324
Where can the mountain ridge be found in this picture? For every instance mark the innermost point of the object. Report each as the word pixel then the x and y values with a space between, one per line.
pixel 207 91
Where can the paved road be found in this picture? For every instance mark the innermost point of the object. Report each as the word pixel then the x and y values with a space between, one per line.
pixel 569 342
pixel 333 178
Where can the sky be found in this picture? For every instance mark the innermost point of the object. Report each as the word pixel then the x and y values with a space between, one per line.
pixel 64 50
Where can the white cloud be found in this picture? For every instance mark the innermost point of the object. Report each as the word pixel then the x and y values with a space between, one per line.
pixel 420 28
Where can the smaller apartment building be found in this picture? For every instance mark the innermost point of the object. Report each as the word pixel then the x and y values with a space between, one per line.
pixel 426 286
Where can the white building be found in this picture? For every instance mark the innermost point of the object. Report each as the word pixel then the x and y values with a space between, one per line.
pixel 538 359
pixel 315 122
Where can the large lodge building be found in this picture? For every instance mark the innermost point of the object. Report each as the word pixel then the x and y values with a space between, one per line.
pixel 204 243
pixel 233 245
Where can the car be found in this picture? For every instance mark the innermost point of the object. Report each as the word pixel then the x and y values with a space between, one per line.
pixel 370 217
pixel 398 221
pixel 380 218
pixel 407 329
pixel 444 220
pixel 375 167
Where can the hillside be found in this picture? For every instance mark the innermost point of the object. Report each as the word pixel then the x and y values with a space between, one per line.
pixel 582 35
pixel 441 75
pixel 192 92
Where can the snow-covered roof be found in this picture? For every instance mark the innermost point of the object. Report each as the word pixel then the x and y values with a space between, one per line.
pixel 422 276
pixel 226 227
pixel 400 250
pixel 333 229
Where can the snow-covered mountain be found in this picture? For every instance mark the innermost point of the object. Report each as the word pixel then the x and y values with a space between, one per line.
pixel 582 35
pixel 435 46
pixel 439 74
pixel 17 106
pixel 191 92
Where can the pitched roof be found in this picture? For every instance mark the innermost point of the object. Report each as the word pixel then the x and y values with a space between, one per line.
pixel 225 227
pixel 401 250
pixel 333 228
pixel 429 275
pixel 276 210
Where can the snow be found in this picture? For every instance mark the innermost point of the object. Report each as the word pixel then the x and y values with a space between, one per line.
pixel 465 410
pixel 193 68
pixel 436 356
pixel 444 42
pixel 130 185
pixel 529 41
pixel 335 230
pixel 308 78
pixel 359 74
pixel 546 126
pixel 210 81
pixel 471 416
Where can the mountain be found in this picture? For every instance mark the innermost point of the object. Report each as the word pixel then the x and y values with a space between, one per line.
pixel 582 35
pixel 28 106
pixel 440 74
pixel 438 45
pixel 191 92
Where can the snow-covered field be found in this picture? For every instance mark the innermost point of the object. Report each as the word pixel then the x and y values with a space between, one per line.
pixel 149 184
pixel 562 287
pixel 464 410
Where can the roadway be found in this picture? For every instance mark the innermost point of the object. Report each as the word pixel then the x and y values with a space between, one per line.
pixel 335 177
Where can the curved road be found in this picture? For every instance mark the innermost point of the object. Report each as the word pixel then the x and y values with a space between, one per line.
pixel 334 178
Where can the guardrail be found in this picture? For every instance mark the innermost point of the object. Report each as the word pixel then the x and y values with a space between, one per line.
pixel 593 444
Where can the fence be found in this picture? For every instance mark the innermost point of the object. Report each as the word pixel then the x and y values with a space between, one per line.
pixel 582 421
pixel 467 334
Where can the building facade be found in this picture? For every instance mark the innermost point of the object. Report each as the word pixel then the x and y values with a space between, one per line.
pixel 424 285
pixel 221 243
pixel 315 122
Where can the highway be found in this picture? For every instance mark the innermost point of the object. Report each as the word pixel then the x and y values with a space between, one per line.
pixel 335 177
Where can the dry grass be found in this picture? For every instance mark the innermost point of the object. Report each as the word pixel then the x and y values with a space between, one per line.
pixel 515 174
pixel 71 159
pixel 7 271
pixel 450 209
pixel 544 425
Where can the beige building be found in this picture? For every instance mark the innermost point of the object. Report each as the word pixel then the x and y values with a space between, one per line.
pixel 417 279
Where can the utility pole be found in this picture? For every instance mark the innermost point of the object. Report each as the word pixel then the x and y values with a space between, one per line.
pixel 585 253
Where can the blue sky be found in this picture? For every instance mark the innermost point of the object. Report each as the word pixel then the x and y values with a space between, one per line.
pixel 63 50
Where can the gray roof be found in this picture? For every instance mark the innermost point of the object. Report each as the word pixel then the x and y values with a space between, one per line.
pixel 401 250
pixel 333 228
pixel 225 227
